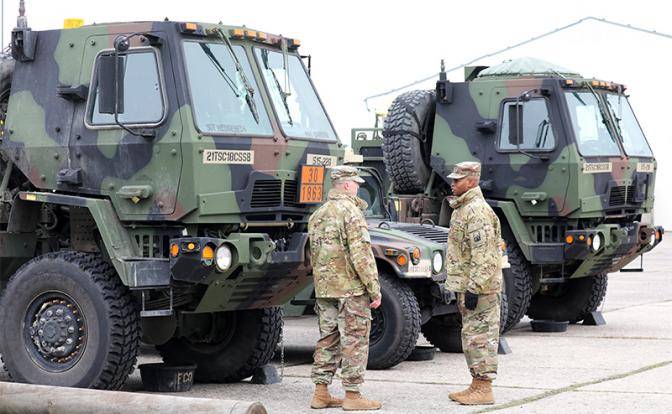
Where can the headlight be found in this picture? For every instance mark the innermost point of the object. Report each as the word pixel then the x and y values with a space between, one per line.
pixel 223 258
pixel 597 242
pixel 437 262
pixel 652 240
pixel 415 256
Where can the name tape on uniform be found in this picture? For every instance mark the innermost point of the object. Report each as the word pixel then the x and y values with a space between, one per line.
pixel 228 157
pixel 596 167
pixel 319 159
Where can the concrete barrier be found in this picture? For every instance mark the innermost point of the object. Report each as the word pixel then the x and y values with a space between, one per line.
pixel 39 399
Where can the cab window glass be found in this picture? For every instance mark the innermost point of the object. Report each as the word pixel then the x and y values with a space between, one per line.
pixel 221 103
pixel 143 102
pixel 536 131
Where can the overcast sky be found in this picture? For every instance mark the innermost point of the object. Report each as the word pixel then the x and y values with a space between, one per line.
pixel 360 48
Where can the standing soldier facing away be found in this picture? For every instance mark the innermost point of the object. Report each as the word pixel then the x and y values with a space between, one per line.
pixel 346 288
pixel 475 273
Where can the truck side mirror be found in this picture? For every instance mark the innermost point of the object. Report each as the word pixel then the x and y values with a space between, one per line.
pixel 111 84
pixel 516 124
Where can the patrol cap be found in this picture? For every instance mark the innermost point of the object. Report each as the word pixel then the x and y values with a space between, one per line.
pixel 466 169
pixel 345 173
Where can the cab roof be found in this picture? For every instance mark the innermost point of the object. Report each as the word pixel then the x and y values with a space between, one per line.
pixel 527 67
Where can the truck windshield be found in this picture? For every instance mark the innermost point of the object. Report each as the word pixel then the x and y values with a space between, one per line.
pixel 298 108
pixel 590 127
pixel 369 191
pixel 633 138
pixel 218 94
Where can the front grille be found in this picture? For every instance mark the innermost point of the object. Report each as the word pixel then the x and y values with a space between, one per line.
pixel 617 196
pixel 289 194
pixel 266 193
pixel 632 192
pixel 435 234
pixel 622 195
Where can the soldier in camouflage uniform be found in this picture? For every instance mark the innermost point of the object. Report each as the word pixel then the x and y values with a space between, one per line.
pixel 346 288
pixel 475 273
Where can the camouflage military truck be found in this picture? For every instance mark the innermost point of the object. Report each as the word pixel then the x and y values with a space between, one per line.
pixel 410 261
pixel 566 167
pixel 157 178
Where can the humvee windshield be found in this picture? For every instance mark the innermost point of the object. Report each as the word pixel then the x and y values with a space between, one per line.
pixel 633 138
pixel 296 104
pixel 590 128
pixel 370 192
pixel 218 93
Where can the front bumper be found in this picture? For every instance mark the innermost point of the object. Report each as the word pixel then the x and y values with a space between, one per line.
pixel 259 276
pixel 618 246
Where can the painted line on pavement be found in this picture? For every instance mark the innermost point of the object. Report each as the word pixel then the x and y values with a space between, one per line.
pixel 574 387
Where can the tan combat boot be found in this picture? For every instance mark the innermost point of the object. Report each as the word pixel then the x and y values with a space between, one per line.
pixel 480 394
pixel 454 395
pixel 354 401
pixel 322 398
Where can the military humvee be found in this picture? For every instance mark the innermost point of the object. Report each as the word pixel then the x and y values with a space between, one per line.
pixel 565 165
pixel 410 260
pixel 156 183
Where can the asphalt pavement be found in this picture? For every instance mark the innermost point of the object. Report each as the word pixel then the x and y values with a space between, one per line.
pixel 624 366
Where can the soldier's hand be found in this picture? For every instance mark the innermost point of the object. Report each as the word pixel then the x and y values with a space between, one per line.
pixel 376 303
pixel 470 300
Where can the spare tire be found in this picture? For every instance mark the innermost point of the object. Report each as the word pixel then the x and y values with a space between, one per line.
pixel 407 133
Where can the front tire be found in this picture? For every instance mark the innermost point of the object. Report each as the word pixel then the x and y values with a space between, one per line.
pixel 518 282
pixel 579 298
pixel 396 324
pixel 241 341
pixel 67 320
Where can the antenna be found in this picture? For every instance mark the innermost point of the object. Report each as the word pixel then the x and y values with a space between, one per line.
pixel 22 20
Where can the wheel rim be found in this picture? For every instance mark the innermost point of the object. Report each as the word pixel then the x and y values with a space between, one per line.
pixel 377 326
pixel 56 332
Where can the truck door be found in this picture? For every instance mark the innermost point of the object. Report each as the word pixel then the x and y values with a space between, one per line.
pixel 528 164
pixel 139 172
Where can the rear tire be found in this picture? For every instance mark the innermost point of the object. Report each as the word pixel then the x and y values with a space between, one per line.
pixel 580 297
pixel 246 340
pixel 67 320
pixel 396 324
pixel 407 140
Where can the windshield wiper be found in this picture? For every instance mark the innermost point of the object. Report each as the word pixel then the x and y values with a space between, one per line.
pixel 283 94
pixel 603 114
pixel 230 82
pixel 249 95
pixel 617 120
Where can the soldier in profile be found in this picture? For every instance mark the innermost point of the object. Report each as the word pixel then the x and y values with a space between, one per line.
pixel 474 272
pixel 346 289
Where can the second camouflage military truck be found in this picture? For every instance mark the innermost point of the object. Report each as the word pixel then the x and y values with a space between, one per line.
pixel 150 191
pixel 565 165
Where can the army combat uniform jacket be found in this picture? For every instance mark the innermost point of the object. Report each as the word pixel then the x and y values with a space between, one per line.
pixel 473 258
pixel 340 245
